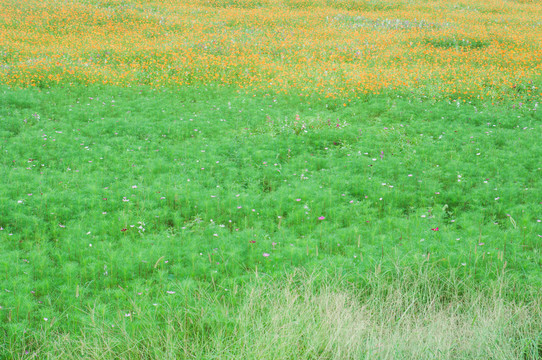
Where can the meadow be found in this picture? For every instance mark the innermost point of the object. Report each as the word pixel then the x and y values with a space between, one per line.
pixel 257 179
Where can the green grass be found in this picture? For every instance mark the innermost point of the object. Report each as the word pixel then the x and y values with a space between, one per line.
pixel 135 223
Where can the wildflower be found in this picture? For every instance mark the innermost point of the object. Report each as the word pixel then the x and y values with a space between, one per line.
pixel 265 255
pixel 321 218
pixel 435 229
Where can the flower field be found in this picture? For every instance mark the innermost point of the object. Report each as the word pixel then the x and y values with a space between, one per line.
pixel 270 179
pixel 488 49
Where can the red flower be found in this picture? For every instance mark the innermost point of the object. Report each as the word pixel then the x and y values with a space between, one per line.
pixel 435 229
pixel 252 241
pixel 125 229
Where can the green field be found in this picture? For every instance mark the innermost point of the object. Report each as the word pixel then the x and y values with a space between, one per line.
pixel 146 219
pixel 141 221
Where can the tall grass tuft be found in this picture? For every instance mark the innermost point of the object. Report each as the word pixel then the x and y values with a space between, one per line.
pixel 401 313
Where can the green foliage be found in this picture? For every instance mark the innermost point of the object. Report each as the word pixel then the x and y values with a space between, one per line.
pixel 113 200
pixel 455 43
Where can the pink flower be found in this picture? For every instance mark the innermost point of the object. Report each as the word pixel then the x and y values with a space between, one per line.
pixel 265 255
pixel 321 218
pixel 435 229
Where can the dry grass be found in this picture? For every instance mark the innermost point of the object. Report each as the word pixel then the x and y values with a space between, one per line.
pixel 407 319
